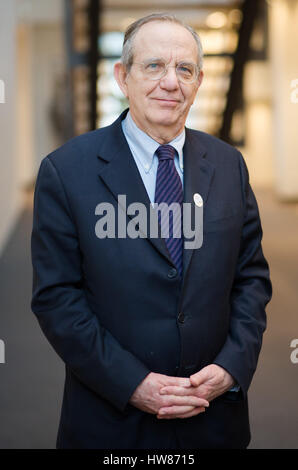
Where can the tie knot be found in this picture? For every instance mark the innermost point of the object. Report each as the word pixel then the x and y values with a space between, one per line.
pixel 165 152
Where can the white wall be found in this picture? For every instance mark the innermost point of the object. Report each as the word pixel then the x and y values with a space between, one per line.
pixel 283 22
pixel 47 66
pixel 41 60
pixel 31 58
pixel 39 11
pixel 9 185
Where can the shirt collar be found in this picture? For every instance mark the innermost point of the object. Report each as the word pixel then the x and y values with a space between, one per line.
pixel 146 146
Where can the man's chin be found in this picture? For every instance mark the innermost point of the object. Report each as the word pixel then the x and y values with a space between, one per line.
pixel 165 117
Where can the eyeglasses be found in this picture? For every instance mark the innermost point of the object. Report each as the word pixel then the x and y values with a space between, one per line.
pixel 155 69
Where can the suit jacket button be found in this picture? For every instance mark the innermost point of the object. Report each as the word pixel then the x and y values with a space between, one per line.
pixel 181 317
pixel 172 273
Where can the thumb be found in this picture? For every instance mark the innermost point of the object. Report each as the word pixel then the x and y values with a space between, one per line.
pixel 199 378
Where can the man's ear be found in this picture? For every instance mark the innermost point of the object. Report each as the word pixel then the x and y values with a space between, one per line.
pixel 120 75
pixel 198 84
pixel 200 78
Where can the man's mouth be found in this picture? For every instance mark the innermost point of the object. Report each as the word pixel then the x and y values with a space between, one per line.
pixel 167 100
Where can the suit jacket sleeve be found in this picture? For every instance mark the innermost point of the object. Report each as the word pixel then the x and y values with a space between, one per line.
pixel 250 293
pixel 59 301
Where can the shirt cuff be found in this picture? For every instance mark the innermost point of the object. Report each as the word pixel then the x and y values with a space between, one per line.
pixel 236 388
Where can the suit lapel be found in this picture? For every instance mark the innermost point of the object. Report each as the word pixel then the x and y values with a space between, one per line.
pixel 198 174
pixel 120 174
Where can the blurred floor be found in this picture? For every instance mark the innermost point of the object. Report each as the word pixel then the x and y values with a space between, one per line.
pixel 32 377
pixel 273 393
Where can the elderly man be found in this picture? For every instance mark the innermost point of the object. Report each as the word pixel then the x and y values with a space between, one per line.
pixel 160 341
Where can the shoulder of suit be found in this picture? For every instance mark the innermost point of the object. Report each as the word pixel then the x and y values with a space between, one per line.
pixel 79 148
pixel 214 146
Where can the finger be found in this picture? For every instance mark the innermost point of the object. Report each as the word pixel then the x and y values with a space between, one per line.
pixel 194 412
pixel 200 391
pixel 175 410
pixel 178 381
pixel 189 400
pixel 179 412
pixel 174 390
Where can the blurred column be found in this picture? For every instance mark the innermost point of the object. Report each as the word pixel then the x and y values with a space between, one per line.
pixel 283 31
pixel 258 122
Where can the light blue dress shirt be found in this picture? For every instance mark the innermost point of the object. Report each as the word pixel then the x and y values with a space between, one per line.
pixel 143 149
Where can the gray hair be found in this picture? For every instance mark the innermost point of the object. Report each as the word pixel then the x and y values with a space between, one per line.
pixel 131 31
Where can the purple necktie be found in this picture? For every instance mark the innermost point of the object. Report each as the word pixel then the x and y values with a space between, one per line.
pixel 169 189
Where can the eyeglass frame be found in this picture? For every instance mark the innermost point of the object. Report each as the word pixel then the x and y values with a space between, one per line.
pixel 166 69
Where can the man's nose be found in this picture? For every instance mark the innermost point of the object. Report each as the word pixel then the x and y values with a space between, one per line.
pixel 170 80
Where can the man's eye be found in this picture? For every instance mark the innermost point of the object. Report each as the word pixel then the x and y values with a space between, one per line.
pixel 154 66
pixel 185 69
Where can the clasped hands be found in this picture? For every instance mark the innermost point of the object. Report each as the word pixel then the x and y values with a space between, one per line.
pixel 181 397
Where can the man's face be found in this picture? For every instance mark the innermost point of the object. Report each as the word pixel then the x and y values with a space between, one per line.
pixel 162 103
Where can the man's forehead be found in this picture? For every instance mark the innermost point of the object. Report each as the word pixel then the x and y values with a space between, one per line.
pixel 162 37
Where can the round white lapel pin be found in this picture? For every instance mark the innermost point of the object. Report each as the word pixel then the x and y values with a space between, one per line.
pixel 198 199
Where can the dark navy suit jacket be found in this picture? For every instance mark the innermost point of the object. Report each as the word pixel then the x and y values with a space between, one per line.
pixel 115 309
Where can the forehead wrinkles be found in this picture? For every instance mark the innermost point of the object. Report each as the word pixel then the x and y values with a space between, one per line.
pixel 171 43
